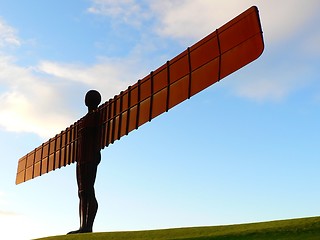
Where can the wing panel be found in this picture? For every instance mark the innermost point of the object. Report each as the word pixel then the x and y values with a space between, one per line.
pixel 54 153
pixel 37 169
pixel 29 173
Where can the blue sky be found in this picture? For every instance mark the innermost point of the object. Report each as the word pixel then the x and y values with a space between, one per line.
pixel 244 150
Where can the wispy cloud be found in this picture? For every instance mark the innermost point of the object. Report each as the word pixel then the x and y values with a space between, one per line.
pixel 8 35
pixel 110 76
pixel 35 99
pixel 273 86
pixel 282 20
pixel 25 99
pixel 188 18
pixel 127 11
pixel 7 213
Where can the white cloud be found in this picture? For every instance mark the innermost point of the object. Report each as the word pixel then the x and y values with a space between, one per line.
pixel 127 11
pixel 283 19
pixel 193 19
pixel 25 101
pixel 8 35
pixel 187 19
pixel 109 76
pixel 35 99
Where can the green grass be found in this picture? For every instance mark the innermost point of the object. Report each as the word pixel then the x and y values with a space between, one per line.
pixel 304 229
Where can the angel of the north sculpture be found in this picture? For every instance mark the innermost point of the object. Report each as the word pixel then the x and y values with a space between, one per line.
pixel 224 51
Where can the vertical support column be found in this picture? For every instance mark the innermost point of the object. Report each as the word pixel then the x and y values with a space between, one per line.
pixel 190 72
pixel 151 95
pixel 108 118
pixel 120 115
pixel 219 58
pixel 103 124
pixel 114 119
pixel 30 165
pixel 37 161
pixel 128 110
pixel 168 86
pixel 138 104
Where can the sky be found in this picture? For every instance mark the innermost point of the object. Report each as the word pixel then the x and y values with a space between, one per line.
pixel 244 150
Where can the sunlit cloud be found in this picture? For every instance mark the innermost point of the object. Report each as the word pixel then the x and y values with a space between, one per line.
pixel 34 99
pixel 28 102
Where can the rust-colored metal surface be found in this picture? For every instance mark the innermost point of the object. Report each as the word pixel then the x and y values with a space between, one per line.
pixel 58 151
pixel 221 53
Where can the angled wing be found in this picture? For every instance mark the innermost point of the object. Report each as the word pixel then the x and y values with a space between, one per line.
pixel 58 151
pixel 224 51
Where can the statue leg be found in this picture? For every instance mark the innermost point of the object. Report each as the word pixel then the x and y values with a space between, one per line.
pixel 88 205
pixel 92 208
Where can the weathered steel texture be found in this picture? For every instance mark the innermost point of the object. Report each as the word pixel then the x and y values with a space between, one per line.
pixel 58 151
pixel 221 53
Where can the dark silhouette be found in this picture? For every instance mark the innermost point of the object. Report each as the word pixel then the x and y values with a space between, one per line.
pixel 88 159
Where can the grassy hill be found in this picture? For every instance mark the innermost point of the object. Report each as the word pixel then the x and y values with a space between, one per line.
pixel 304 229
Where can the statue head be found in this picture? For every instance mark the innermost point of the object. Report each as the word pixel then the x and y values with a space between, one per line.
pixel 92 99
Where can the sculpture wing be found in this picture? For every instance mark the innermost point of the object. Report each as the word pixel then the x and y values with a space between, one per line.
pixel 224 51
pixel 58 151
pixel 221 53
